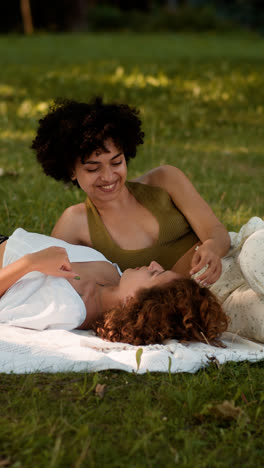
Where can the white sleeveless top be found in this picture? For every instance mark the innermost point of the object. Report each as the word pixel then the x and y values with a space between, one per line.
pixel 40 301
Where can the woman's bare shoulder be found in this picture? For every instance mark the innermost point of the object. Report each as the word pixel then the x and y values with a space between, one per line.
pixel 72 226
pixel 160 176
pixel 74 213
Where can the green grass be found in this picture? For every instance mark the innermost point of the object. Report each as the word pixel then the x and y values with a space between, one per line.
pixel 150 420
pixel 201 99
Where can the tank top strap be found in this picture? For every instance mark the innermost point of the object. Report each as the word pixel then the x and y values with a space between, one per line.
pixel 151 197
pixel 98 232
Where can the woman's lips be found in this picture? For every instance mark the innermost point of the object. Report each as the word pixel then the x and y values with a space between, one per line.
pixel 108 187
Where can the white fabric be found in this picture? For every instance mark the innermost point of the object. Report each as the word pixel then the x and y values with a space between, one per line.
pixel 41 301
pixel 241 285
pixel 22 242
pixel 23 351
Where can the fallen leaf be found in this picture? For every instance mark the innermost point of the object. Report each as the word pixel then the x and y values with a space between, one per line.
pixel 214 360
pixel 100 390
pixel 225 410
pixel 5 462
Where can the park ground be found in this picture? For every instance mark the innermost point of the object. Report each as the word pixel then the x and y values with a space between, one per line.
pixel 202 104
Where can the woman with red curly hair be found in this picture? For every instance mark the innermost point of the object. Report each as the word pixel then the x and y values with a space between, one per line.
pixel 48 283
pixel 180 309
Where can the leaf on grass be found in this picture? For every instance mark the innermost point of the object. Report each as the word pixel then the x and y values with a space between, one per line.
pixel 175 455
pixel 100 390
pixel 244 398
pixel 138 357
pixel 3 172
pixel 225 410
pixel 5 462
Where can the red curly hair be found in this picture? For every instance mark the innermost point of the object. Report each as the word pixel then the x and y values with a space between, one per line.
pixel 182 310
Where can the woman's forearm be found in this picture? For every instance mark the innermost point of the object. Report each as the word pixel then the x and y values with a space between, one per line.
pixel 209 252
pixel 183 265
pixel 51 261
pixel 218 241
pixel 13 272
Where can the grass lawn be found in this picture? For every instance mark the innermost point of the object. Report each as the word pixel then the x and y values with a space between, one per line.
pixel 202 102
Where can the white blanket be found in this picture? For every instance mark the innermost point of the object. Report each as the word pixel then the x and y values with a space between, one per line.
pixel 24 351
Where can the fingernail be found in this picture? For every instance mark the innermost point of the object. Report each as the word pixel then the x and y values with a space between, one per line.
pixel 204 283
pixel 77 277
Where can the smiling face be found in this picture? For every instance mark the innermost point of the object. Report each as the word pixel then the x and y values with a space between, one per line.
pixel 103 174
pixel 135 279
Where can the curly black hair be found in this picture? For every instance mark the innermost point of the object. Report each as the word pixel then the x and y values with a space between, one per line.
pixel 74 129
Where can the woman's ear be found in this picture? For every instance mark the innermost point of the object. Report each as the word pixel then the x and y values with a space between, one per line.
pixel 73 175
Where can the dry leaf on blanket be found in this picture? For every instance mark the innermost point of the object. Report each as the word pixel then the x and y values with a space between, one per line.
pixel 214 360
pixel 100 390
pixel 225 410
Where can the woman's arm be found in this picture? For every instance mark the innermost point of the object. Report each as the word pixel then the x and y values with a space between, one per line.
pixel 183 265
pixel 51 261
pixel 213 235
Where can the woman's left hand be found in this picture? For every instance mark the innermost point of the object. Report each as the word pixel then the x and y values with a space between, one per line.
pixel 202 257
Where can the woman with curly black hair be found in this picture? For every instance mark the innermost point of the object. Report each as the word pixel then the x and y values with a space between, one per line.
pixel 159 216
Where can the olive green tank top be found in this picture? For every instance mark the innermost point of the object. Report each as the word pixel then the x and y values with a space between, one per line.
pixel 175 234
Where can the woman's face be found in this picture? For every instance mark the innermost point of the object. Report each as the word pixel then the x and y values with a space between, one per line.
pixel 103 175
pixel 135 279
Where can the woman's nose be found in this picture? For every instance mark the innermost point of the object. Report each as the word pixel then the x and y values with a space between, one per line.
pixel 106 173
pixel 155 266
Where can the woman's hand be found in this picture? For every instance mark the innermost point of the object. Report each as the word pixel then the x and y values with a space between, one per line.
pixel 52 261
pixel 205 257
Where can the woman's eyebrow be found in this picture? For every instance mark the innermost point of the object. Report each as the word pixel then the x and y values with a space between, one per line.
pixel 116 156
pixel 99 162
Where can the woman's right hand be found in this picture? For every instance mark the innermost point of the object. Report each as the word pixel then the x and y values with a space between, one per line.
pixel 52 261
pixel 204 257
